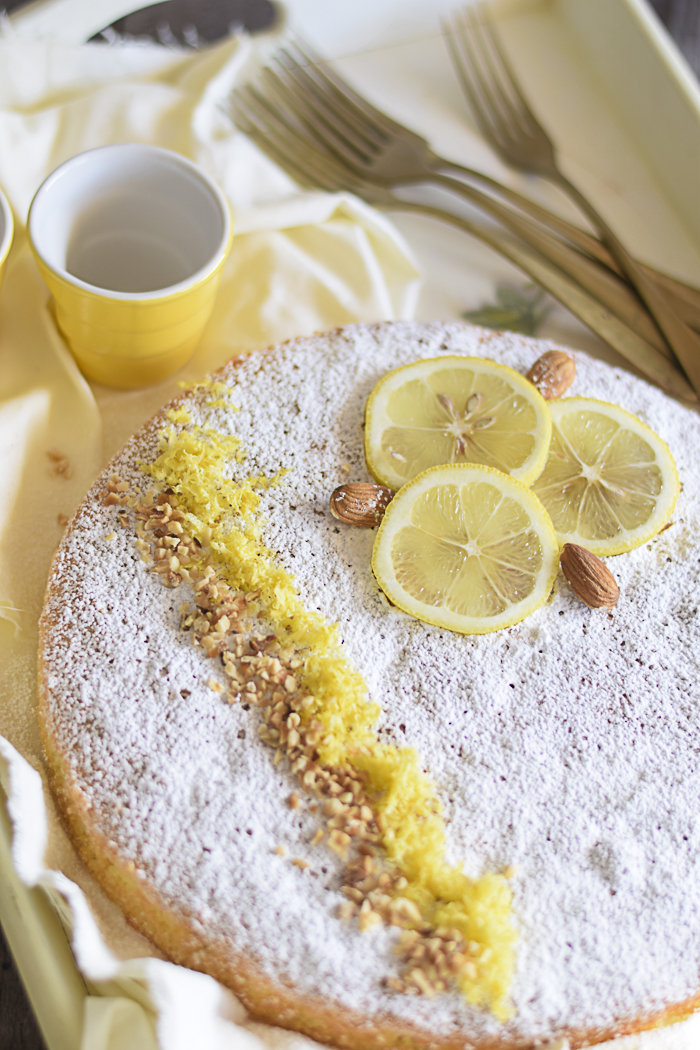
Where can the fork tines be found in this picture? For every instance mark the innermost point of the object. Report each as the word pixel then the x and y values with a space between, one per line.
pixel 333 113
pixel 502 113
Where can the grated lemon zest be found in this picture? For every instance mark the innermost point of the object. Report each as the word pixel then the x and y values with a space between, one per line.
pixel 207 383
pixel 220 403
pixel 179 415
pixel 196 464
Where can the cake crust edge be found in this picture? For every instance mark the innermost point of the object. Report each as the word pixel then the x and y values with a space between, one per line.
pixel 265 999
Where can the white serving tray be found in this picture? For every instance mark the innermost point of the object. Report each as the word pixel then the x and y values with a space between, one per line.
pixel 638 108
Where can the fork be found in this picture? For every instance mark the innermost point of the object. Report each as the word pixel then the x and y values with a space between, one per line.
pixel 381 150
pixel 278 135
pixel 293 93
pixel 509 125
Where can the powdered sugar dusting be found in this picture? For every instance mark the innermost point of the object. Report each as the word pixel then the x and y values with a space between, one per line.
pixel 567 745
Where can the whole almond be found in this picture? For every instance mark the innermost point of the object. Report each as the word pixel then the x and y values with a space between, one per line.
pixel 360 503
pixel 590 579
pixel 553 373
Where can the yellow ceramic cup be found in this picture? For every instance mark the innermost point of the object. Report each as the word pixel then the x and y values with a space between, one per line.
pixel 6 232
pixel 131 240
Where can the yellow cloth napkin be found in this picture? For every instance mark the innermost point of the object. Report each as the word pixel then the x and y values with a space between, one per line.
pixel 300 262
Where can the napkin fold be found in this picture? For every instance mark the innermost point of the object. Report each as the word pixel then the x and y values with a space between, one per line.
pixel 300 262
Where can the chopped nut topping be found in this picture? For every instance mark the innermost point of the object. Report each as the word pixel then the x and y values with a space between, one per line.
pixel 346 910
pixel 339 843
pixel 60 464
pixel 261 672
pixel 368 917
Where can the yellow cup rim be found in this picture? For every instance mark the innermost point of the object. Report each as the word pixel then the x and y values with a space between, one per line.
pixel 160 294
pixel 9 228
pixel 176 291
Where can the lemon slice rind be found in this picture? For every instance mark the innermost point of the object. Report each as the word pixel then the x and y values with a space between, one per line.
pixel 464 476
pixel 396 472
pixel 550 491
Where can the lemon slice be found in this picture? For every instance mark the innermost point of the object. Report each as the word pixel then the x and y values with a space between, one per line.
pixel 466 547
pixel 610 482
pixel 455 410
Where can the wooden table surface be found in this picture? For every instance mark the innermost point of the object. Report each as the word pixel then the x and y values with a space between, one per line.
pixel 18 1029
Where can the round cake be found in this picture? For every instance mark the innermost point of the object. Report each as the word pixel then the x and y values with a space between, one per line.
pixel 374 831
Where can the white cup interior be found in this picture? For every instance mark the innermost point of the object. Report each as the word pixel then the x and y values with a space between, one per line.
pixel 129 219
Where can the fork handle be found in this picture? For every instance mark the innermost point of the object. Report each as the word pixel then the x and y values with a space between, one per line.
pixel 568 292
pixel 684 298
pixel 684 342
pixel 612 291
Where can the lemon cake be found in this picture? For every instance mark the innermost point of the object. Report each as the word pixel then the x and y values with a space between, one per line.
pixel 376 831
